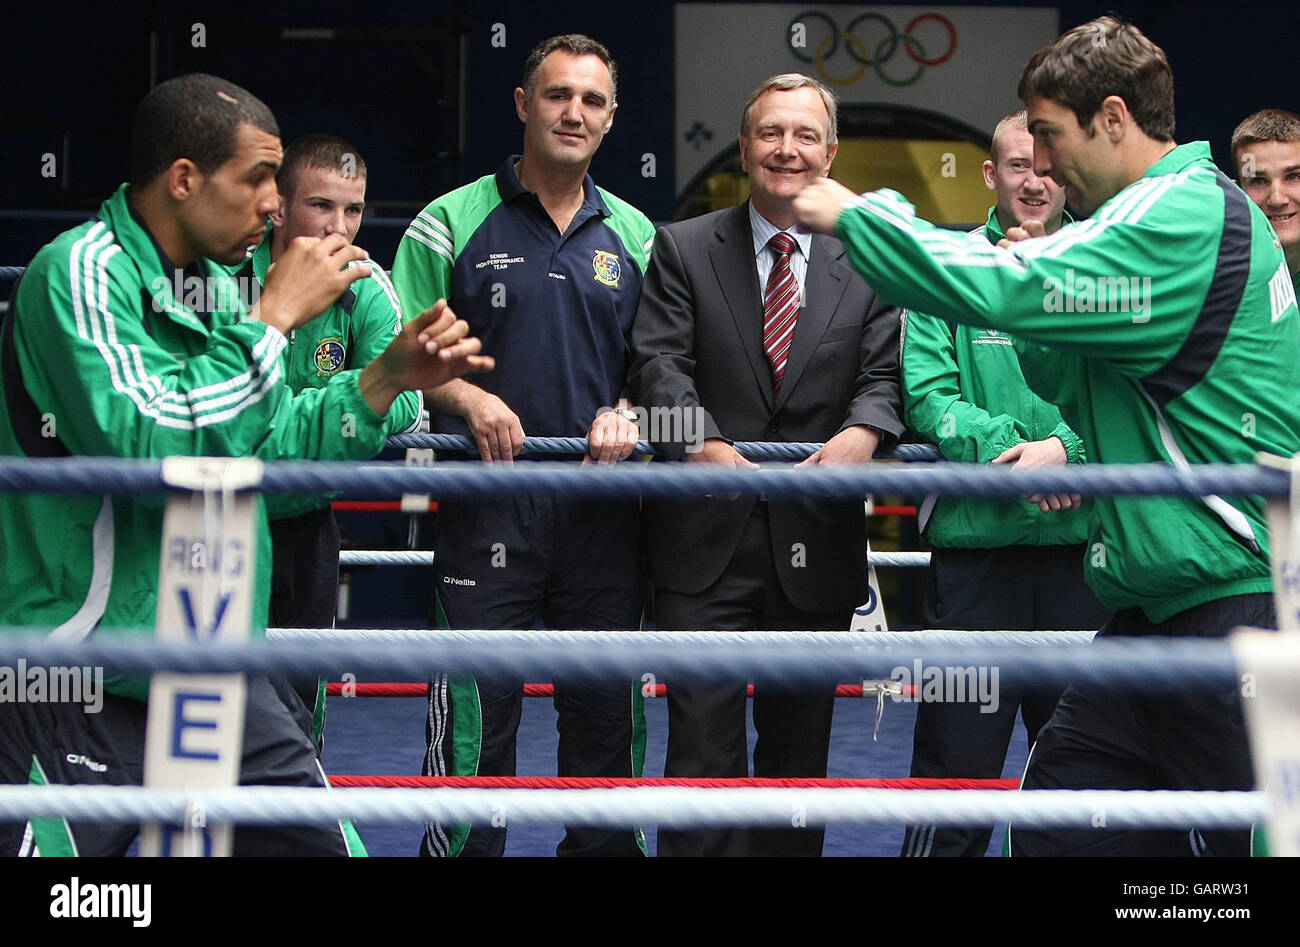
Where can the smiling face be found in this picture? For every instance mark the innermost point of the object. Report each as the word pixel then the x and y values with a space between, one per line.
pixel 323 202
pixel 1080 160
pixel 225 212
pixel 784 149
pixel 1022 194
pixel 570 110
pixel 1270 174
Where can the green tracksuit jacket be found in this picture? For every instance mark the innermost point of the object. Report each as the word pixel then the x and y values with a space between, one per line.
pixel 352 332
pixel 963 391
pixel 118 366
pixel 1166 324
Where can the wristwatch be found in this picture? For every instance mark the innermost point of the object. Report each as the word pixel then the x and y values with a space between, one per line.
pixel 627 414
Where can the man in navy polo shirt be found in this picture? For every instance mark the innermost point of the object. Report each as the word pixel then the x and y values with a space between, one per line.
pixel 546 268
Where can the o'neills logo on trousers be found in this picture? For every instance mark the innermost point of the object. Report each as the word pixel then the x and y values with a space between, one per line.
pixel 957 685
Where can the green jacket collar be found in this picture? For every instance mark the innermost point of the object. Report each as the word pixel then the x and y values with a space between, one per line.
pixel 162 280
pixel 261 262
pixel 1181 158
pixel 262 256
pixel 993 226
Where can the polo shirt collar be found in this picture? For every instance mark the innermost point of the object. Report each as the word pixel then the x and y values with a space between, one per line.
pixel 510 189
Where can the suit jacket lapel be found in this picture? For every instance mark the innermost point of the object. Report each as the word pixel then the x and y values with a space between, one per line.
pixel 733 264
pixel 824 286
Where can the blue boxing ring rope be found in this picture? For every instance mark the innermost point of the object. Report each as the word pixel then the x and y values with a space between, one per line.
pixel 1150 664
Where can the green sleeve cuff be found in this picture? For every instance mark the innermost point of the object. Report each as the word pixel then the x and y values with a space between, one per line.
pixel 1074 452
pixel 358 402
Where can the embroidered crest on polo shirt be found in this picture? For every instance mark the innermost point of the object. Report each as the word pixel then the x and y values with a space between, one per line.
pixel 330 355
pixel 606 267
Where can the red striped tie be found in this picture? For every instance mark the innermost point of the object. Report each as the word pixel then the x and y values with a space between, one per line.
pixel 780 308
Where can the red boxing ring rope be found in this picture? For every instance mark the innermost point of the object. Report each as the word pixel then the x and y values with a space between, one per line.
pixel 596 782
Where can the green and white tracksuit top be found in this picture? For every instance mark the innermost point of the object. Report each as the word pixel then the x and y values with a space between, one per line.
pixel 117 365
pixel 964 392
pixel 1165 325
pixel 350 333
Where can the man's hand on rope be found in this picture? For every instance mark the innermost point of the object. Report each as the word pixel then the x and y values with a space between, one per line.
pixel 1049 452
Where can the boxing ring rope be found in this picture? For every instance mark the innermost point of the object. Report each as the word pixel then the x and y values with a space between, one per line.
pixel 1150 665
pixel 909 641
pixel 754 450
pixel 1052 659
pixel 424 557
pixel 674 807
pixel 416 689
pixel 464 479
pixel 604 782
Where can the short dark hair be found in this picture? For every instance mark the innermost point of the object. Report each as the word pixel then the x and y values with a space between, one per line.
pixel 1100 58
pixel 317 150
pixel 196 116
pixel 578 45
pixel 1265 125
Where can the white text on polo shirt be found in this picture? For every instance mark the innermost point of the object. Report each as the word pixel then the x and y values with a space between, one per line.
pixel 498 261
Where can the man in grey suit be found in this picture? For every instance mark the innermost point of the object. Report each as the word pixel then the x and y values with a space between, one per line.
pixel 762 332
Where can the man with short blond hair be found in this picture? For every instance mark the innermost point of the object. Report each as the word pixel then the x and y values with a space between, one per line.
pixel 1266 159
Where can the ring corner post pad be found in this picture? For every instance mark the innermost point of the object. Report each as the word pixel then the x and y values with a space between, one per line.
pixel 194 733
pixel 1268 665
pixel 1284 542
pixel 417 502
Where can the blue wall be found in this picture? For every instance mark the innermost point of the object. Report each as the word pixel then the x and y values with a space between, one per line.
pixel 74 72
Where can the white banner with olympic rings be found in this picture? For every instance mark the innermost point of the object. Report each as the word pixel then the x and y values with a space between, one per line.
pixel 961 62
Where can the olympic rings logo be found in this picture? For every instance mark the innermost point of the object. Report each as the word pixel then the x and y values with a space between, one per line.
pixel 868 54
